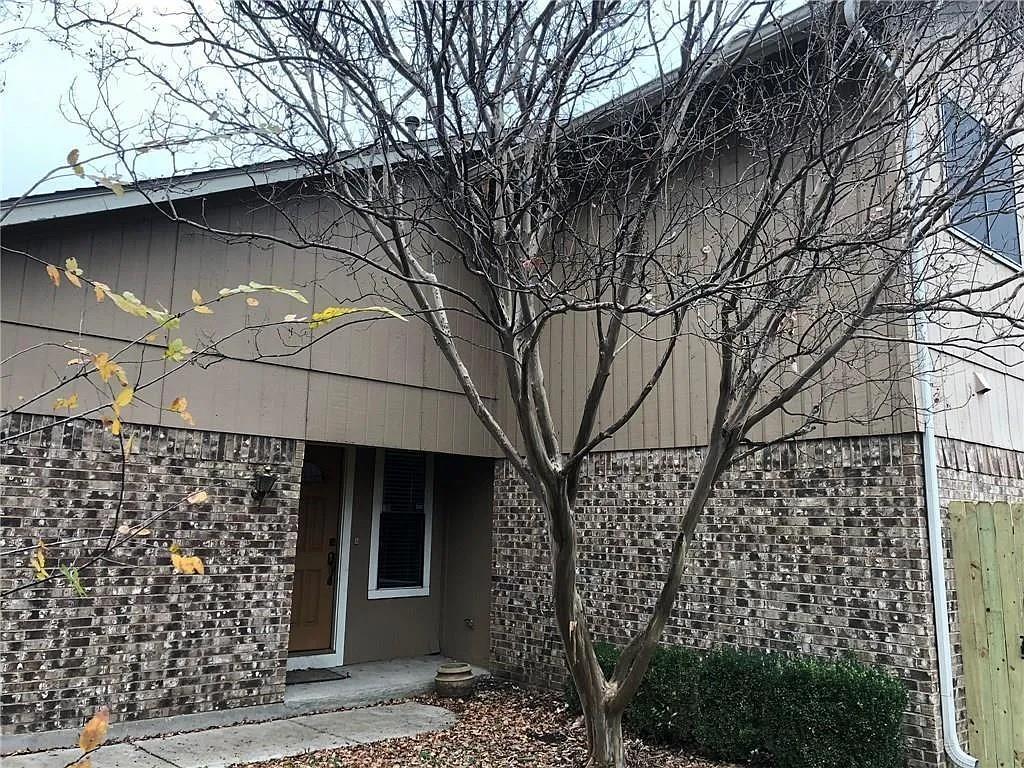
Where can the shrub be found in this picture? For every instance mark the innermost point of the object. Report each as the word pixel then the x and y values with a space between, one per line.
pixel 788 712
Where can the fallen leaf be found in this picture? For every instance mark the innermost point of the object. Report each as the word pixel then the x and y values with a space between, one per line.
pixel 95 731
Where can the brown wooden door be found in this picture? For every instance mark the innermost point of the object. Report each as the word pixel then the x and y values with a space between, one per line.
pixel 316 552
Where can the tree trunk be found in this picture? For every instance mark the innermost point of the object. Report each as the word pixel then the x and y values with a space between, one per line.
pixel 603 721
pixel 604 738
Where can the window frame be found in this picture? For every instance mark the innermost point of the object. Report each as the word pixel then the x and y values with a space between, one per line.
pixel 957 231
pixel 372 591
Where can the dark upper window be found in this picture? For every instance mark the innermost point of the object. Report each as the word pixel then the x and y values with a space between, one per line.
pixel 987 211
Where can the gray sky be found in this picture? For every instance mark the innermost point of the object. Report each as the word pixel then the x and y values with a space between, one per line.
pixel 34 136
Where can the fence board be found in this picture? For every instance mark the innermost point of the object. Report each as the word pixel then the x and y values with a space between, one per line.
pixel 988 556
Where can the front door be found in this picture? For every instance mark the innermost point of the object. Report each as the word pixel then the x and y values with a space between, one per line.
pixel 316 552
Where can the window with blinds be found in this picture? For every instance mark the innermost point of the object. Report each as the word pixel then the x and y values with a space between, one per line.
pixel 400 559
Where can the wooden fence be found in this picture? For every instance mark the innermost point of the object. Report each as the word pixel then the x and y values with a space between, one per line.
pixel 988 554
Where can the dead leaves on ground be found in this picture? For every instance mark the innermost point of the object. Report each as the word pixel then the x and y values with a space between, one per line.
pixel 502 727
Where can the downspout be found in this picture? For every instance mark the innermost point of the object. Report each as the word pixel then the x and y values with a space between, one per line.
pixel 936 551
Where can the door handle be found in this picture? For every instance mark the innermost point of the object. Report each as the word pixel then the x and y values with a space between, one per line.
pixel 332 559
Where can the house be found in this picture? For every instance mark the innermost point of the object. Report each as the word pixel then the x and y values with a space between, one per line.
pixel 393 527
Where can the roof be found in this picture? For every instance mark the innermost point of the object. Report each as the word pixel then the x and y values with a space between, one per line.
pixel 80 201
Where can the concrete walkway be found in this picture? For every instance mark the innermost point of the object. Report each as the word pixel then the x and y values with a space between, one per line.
pixel 220 747
pixel 368 683
pixel 306 721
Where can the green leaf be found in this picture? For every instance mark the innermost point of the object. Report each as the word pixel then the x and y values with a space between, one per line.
pixel 177 351
pixel 71 574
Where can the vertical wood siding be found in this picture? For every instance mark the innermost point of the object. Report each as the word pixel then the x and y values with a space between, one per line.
pixel 373 383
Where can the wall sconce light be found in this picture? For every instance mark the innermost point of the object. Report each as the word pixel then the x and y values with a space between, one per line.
pixel 262 484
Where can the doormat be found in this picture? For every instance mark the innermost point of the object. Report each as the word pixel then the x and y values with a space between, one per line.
pixel 297 676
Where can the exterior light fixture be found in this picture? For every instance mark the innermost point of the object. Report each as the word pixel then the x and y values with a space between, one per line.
pixel 262 484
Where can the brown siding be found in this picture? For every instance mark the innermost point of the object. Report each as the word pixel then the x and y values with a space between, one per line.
pixel 380 383
pixel 465 490
pixel 393 627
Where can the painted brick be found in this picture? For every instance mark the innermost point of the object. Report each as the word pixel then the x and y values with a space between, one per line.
pixel 145 641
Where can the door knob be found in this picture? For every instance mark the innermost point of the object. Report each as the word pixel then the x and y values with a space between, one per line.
pixel 332 558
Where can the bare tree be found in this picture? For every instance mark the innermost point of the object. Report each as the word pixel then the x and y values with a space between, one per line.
pixel 515 166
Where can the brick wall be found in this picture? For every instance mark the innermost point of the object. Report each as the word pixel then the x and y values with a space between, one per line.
pixel 145 641
pixel 971 472
pixel 818 547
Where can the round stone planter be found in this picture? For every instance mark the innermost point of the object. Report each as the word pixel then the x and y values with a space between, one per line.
pixel 454 680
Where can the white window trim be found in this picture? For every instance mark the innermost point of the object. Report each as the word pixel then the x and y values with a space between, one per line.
pixel 372 592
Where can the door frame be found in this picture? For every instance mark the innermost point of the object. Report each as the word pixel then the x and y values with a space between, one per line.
pixel 336 656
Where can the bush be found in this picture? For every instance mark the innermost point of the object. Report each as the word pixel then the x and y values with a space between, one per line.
pixel 788 712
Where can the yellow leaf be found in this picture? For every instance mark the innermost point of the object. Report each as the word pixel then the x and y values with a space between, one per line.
pixel 112 184
pixel 38 561
pixel 178 405
pixel 175 548
pixel 101 290
pixel 128 445
pixel 189 564
pixel 196 297
pixel 327 314
pixel 252 302
pixel 197 497
pixel 79 171
pixel 66 402
pixel 187 418
pixel 54 274
pixel 113 424
pixel 95 731
pixel 123 399
pixel 73 279
pixel 71 265
pixel 202 309
pixel 151 337
pixel 107 367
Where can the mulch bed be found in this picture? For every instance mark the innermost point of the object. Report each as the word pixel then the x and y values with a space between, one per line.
pixel 501 727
